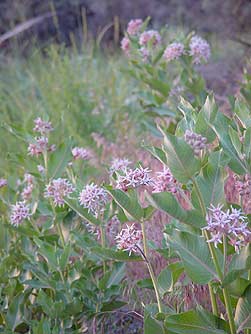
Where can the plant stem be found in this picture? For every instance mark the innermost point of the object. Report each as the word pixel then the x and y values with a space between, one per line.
pixel 102 237
pixel 145 255
pixel 213 300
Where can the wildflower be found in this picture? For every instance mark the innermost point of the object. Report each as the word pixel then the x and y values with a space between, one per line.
pixel 3 183
pixel 93 229
pixel 19 212
pixel 129 239
pixel 42 126
pixel 196 141
pixel 165 182
pixel 125 45
pixel 81 153
pixel 244 185
pixel 119 164
pixel 57 189
pixel 52 148
pixel 199 49
pixel 28 178
pixel 134 26
pixel 40 146
pixel 145 53
pixel 231 224
pixel 112 226
pixel 27 192
pixel 133 178
pixel 150 36
pixel 93 198
pixel 174 51
pixel 41 169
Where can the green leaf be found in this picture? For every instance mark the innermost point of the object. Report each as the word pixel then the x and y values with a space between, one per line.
pixel 48 252
pixel 128 204
pixel 15 313
pixel 118 273
pixel 82 212
pixel 113 305
pixel 242 110
pixel 246 144
pixel 195 322
pixel 243 311
pixel 180 158
pixel 120 255
pixel 164 281
pixel 151 324
pixel 194 253
pixel 157 153
pixel 59 160
pixel 65 257
pixel 168 203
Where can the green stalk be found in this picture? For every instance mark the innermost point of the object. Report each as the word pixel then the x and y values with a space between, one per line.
pixel 213 300
pixel 102 237
pixel 145 255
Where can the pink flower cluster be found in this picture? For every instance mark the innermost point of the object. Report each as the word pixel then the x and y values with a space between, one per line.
pixel 58 189
pixel 81 153
pixel 244 185
pixel 133 178
pixel 93 198
pixel 42 126
pixel 232 224
pixel 27 191
pixel 129 239
pixel 19 212
pixel 196 141
pixel 150 37
pixel 134 26
pixel 165 181
pixel 174 51
pixel 199 49
pixel 125 45
pixel 3 183
pixel 119 164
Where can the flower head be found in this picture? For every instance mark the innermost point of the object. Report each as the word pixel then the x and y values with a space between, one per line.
pixel 133 178
pixel 243 185
pixel 40 146
pixel 174 51
pixel 41 169
pixel 119 164
pixel 42 126
pixel 19 212
pixel 58 189
pixel 199 49
pixel 165 181
pixel 81 153
pixel 125 45
pixel 93 197
pixel 129 239
pixel 134 26
pixel 27 192
pixel 196 141
pixel 3 182
pixel 150 36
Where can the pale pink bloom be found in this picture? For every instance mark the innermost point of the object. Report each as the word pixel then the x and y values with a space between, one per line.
pixel 42 126
pixel 93 229
pixel 196 141
pixel 52 148
pixel 40 146
pixel 41 169
pixel 145 53
pixel 27 192
pixel 19 212
pixel 199 49
pixel 150 36
pixel 243 185
pixel 125 45
pixel 119 164
pixel 3 182
pixel 93 198
pixel 134 26
pixel 129 239
pixel 165 181
pixel 133 178
pixel 58 189
pixel 28 178
pixel 81 153
pixel 174 51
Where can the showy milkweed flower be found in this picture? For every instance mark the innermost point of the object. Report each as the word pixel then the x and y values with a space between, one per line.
pixel 81 153
pixel 174 51
pixel 27 192
pixel 150 36
pixel 134 26
pixel 133 178
pixel 125 45
pixel 3 182
pixel 42 126
pixel 165 181
pixel 129 239
pixel 199 49
pixel 119 164
pixel 93 198
pixel 196 141
pixel 232 224
pixel 58 189
pixel 243 185
pixel 40 146
pixel 19 212
pixel 41 169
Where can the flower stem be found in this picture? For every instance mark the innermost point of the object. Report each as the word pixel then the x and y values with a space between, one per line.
pixel 145 255
pixel 102 237
pixel 213 300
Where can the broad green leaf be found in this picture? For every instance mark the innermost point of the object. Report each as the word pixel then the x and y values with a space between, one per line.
pixel 246 145
pixel 195 322
pixel 168 203
pixel 164 281
pixel 48 252
pixel 113 305
pixel 59 160
pixel 180 158
pixel 64 258
pixel 235 139
pixel 157 153
pixel 243 311
pixel 127 203
pixel 194 253
pixel 151 324
pixel 15 313
pixel 118 273
pixel 82 212
pixel 119 255
pixel 243 112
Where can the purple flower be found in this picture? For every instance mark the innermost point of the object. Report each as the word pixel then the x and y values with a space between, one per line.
pixel 125 45
pixel 19 212
pixel 243 185
pixel 174 51
pixel 58 189
pixel 27 192
pixel 165 181
pixel 129 239
pixel 119 164
pixel 133 178
pixel 134 26
pixel 196 141
pixel 81 153
pixel 42 126
pixel 93 198
pixel 3 183
pixel 199 49
pixel 40 146
pixel 150 36
pixel 41 169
